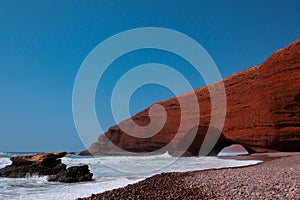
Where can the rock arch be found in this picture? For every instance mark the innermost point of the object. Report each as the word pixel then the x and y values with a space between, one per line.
pixel 197 141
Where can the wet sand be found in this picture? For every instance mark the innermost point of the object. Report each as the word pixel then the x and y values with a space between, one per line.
pixel 277 177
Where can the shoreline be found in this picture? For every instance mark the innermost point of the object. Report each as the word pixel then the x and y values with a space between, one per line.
pixel 276 176
pixel 264 157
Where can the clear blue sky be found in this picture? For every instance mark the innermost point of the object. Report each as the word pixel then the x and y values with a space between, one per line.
pixel 42 44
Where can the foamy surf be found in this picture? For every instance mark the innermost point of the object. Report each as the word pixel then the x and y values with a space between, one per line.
pixel 106 176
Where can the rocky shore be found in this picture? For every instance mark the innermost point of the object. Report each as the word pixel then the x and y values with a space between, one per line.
pixel 46 164
pixel 278 177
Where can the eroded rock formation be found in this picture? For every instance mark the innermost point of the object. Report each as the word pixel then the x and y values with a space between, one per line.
pixel 73 174
pixel 263 112
pixel 38 158
pixel 46 164
pixel 194 143
pixel 38 164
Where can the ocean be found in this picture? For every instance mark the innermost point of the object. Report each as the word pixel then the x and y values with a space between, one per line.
pixel 110 172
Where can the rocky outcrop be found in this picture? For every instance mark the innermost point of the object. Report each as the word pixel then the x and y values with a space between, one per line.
pixel 38 164
pixel 263 112
pixel 38 158
pixel 45 164
pixel 73 174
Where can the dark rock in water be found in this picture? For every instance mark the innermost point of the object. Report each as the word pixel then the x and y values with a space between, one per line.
pixel 73 174
pixel 46 164
pixel 39 169
pixel 38 164
pixel 72 153
pixel 84 153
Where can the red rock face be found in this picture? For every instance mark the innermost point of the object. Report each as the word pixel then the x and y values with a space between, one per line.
pixel 263 103
pixel 263 112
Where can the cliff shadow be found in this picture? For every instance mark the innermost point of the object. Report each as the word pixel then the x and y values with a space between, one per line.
pixel 196 144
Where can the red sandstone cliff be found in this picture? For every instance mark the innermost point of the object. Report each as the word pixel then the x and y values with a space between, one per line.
pixel 263 112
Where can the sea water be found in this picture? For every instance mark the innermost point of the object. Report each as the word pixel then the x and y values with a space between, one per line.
pixel 108 174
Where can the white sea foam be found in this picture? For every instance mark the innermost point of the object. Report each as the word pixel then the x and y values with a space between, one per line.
pixel 4 162
pixel 3 154
pixel 105 176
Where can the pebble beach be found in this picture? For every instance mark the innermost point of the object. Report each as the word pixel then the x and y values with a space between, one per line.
pixel 277 177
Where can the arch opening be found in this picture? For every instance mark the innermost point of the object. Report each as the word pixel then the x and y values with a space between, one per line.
pixel 233 150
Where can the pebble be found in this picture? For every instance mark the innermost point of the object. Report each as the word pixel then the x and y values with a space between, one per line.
pixel 273 179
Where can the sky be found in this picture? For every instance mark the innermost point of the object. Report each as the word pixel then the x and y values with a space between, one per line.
pixel 43 43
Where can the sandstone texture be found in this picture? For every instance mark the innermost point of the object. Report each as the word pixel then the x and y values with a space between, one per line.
pixel 263 113
pixel 37 158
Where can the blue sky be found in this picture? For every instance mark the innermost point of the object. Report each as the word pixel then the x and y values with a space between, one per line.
pixel 43 43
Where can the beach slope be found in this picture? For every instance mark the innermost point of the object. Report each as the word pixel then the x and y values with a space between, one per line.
pixel 278 177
